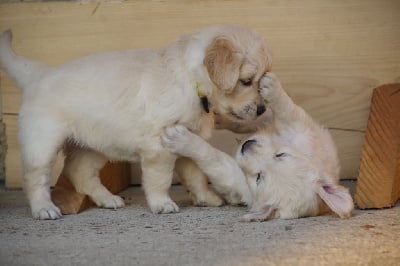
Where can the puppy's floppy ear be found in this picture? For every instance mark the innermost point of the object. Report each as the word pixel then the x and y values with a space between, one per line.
pixel 223 63
pixel 335 196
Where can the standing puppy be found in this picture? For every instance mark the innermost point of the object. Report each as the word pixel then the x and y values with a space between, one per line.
pixel 291 168
pixel 116 105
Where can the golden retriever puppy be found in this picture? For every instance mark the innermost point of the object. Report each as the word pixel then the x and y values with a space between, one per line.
pixel 196 182
pixel 116 105
pixel 291 168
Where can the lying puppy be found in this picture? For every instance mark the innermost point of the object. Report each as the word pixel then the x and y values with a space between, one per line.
pixel 291 168
pixel 116 105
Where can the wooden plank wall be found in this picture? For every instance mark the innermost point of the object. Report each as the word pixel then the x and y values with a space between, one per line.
pixel 329 55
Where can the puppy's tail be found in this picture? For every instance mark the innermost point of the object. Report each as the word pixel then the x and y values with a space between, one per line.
pixel 20 69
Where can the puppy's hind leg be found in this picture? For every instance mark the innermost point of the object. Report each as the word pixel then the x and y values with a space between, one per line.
pixel 197 183
pixel 82 167
pixel 41 136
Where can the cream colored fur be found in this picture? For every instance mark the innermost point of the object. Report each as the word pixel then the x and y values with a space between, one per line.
pixel 116 105
pixel 291 169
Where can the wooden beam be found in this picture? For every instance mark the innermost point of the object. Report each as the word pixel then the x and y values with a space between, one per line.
pixel 378 183
pixel 114 176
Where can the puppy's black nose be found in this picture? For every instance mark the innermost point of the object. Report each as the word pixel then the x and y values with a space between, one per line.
pixel 260 110
pixel 247 144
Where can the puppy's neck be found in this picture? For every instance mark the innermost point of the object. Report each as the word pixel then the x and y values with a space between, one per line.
pixel 200 85
pixel 203 98
pixel 194 53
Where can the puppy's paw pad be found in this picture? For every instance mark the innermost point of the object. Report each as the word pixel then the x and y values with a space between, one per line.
pixel 164 207
pixel 248 218
pixel 210 199
pixel 269 80
pixel 269 86
pixel 233 198
pixel 50 212
pixel 110 202
pixel 267 212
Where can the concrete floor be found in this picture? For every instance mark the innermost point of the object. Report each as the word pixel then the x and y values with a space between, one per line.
pixel 195 236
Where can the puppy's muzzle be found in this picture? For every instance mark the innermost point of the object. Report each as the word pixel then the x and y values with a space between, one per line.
pixel 246 145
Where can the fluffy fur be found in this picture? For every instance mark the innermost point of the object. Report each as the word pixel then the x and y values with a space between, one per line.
pixel 116 105
pixel 291 168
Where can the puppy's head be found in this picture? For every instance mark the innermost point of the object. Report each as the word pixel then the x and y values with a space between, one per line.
pixel 286 181
pixel 235 61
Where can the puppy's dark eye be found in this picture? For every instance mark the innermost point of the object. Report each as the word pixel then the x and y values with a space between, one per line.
pixel 246 82
pixel 258 178
pixel 280 155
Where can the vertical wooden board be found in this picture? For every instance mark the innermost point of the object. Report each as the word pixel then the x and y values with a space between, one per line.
pixel 13 157
pixel 349 144
pixel 396 182
pixel 136 174
pixel 335 101
pixel 378 184
pixel 11 95
pixel 333 51
pixel 116 176
pixel 13 161
pixel 329 55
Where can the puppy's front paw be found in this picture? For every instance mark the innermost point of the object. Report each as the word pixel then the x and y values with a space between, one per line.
pixel 233 198
pixel 176 139
pixel 45 211
pixel 269 87
pixel 266 213
pixel 160 205
pixel 207 199
pixel 109 201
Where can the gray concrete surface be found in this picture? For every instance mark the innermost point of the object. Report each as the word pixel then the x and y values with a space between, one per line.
pixel 195 236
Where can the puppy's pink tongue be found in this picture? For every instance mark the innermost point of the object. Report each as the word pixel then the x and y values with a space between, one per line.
pixel 266 213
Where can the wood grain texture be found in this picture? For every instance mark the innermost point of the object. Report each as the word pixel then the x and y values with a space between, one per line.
pixel 329 55
pixel 114 176
pixel 378 184
pixel 69 201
